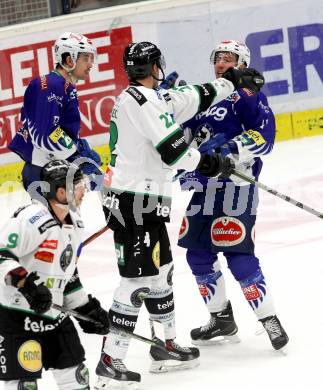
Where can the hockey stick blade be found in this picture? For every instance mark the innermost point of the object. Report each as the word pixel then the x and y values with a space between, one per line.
pixel 83 317
pixel 284 197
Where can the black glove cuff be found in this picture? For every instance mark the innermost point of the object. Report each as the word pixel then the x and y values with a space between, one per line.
pixel 208 165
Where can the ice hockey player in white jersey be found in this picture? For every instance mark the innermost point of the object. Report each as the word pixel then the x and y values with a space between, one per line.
pixel 147 143
pixel 39 248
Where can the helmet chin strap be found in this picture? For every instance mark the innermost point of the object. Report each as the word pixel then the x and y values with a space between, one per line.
pixel 69 201
pixel 70 72
pixel 156 78
pixel 70 198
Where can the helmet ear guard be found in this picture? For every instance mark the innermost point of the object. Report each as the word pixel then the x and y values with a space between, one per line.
pixel 236 47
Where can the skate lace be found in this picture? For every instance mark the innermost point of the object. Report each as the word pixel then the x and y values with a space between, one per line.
pixel 177 347
pixel 209 325
pixel 273 328
pixel 119 365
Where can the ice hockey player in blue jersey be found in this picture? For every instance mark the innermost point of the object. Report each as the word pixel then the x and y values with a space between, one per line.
pixel 221 215
pixel 50 114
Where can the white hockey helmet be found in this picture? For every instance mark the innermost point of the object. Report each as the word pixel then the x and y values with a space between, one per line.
pixel 72 43
pixel 236 47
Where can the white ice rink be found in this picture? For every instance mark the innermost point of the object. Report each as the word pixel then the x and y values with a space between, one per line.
pixel 289 243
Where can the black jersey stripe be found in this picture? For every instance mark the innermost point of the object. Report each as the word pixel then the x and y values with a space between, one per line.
pixel 207 93
pixel 172 147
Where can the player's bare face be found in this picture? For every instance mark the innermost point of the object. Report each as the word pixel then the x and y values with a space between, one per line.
pixel 83 66
pixel 223 61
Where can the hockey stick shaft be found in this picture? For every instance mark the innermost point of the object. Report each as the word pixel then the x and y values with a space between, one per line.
pixel 278 194
pixel 83 317
pixel 178 176
pixel 95 235
pixel 269 190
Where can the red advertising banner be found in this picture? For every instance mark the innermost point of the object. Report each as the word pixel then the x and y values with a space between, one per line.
pixel 96 95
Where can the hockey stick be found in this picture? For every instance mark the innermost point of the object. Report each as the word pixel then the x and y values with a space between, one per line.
pixel 278 194
pixel 83 317
pixel 95 235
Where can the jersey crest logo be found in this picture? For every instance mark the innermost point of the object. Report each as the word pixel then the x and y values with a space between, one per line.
pixel 137 95
pixel 66 257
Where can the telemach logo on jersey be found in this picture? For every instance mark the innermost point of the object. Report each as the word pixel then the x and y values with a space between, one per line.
pixel 227 231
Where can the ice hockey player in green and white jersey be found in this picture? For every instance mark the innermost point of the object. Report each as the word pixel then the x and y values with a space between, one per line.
pixel 39 248
pixel 147 143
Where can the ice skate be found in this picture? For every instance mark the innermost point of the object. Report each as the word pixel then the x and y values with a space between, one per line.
pixel 221 327
pixel 276 332
pixel 173 358
pixel 113 374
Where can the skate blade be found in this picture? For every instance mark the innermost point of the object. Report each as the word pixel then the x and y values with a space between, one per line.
pixel 259 332
pixel 104 383
pixel 158 367
pixel 233 339
pixel 283 351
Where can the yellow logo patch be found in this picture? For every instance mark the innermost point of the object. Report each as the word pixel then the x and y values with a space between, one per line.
pixel 56 135
pixel 256 137
pixel 30 356
pixel 156 255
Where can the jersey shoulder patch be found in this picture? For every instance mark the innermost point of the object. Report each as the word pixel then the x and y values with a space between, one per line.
pixel 47 225
pixel 137 95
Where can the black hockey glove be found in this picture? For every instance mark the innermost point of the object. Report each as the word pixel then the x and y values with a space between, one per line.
pixel 211 166
pixel 94 310
pixel 38 296
pixel 245 78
